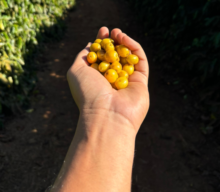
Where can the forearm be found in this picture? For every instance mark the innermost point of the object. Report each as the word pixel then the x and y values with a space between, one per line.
pixel 100 157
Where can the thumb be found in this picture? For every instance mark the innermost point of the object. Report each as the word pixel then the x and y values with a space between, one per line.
pixel 81 58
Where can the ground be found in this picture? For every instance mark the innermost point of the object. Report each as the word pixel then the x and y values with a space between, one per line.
pixel 171 154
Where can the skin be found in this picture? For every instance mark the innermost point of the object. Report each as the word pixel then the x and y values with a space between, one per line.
pixel 100 157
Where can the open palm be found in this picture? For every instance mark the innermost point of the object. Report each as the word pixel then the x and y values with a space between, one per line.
pixel 92 92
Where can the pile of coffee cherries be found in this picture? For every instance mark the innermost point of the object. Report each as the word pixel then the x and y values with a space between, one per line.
pixel 115 62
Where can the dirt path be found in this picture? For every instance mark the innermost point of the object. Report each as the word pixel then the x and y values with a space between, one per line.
pixel 166 155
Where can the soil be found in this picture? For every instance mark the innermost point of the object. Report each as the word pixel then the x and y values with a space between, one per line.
pixel 171 155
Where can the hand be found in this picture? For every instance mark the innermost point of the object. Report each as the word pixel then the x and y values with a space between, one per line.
pixel 94 94
pixel 101 154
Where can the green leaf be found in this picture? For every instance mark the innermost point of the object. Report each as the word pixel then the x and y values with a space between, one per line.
pixel 29 110
pixel 175 82
pixel 2 28
pixel 217 40
pixel 1 44
pixel 4 4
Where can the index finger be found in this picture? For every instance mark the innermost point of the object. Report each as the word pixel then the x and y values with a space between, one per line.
pixel 103 33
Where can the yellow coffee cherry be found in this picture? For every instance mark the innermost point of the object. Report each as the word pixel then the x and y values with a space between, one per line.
pixel 116 66
pixel 91 57
pixel 112 41
pixel 95 66
pixel 111 56
pixel 111 75
pixel 132 59
pixel 128 68
pixel 113 85
pixel 121 82
pixel 104 66
pixel 95 47
pixel 123 60
pixel 98 41
pixel 123 51
pixel 101 55
pixel 98 61
pixel 116 47
pixel 123 74
pixel 104 42
pixel 109 47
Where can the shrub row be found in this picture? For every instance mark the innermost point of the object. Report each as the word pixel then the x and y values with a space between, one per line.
pixel 23 25
pixel 188 42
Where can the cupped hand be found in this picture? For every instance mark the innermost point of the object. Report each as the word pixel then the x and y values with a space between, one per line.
pixel 92 92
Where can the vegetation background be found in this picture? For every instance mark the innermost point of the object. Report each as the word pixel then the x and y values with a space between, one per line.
pixel 24 26
pixel 187 44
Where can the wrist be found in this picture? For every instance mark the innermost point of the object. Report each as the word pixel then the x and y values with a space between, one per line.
pixel 97 123
pixel 101 152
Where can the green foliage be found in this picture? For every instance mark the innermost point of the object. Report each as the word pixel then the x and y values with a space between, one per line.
pixel 23 25
pixel 188 36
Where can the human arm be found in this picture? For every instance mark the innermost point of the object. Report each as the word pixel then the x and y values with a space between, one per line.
pixel 100 157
